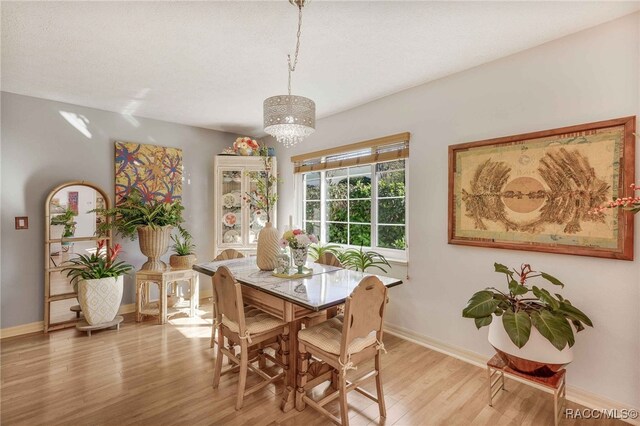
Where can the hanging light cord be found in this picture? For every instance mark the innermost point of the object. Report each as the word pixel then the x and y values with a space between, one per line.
pixel 291 67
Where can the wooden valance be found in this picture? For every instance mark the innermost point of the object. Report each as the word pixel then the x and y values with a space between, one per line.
pixel 388 148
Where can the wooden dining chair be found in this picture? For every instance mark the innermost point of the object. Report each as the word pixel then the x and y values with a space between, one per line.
pixel 343 343
pixel 225 255
pixel 245 327
pixel 328 258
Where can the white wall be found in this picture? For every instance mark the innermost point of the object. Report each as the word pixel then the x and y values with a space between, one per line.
pixel 589 76
pixel 41 149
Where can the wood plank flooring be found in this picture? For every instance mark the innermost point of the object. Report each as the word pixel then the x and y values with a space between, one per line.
pixel 161 375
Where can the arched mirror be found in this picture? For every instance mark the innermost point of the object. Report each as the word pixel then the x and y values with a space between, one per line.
pixel 70 230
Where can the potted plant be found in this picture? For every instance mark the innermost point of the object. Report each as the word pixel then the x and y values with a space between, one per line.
pixel 535 334
pixel 98 280
pixel 151 221
pixel 184 257
pixel 66 220
pixel 264 198
pixel 361 260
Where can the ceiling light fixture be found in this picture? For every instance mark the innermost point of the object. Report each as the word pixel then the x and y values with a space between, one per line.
pixel 290 118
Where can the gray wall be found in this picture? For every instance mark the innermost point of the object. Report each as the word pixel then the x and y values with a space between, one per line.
pixel 41 150
pixel 589 76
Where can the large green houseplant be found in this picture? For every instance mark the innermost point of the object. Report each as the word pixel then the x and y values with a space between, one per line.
pixel 98 280
pixel 152 221
pixel 528 313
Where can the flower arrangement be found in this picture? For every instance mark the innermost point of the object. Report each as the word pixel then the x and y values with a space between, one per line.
pixel 97 265
pixel 631 204
pixel 245 145
pixel 297 239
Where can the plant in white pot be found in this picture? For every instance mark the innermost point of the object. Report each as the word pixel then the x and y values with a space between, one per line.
pixel 98 280
pixel 184 257
pixel 67 222
pixel 150 220
pixel 534 330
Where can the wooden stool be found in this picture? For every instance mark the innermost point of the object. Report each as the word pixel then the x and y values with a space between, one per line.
pixel 497 369
pixel 162 278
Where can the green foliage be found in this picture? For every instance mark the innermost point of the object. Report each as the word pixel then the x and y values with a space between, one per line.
pixel 551 315
pixel 317 250
pixel 96 265
pixel 361 260
pixel 134 212
pixel 183 242
pixel 265 196
pixel 67 220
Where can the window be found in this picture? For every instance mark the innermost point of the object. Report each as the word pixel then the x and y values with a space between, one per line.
pixel 362 205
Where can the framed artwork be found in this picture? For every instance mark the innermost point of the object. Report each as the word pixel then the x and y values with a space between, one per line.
pixel 536 191
pixel 155 171
pixel 72 200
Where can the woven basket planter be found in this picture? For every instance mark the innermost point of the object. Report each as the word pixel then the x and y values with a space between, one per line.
pixel 154 242
pixel 182 262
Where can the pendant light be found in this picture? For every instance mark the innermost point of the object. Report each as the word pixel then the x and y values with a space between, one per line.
pixel 290 118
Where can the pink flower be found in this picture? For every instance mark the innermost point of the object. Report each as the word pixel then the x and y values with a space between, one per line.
pixel 283 243
pixel 297 231
pixel 313 238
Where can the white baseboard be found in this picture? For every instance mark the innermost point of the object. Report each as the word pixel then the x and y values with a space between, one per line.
pixel 38 326
pixel 576 395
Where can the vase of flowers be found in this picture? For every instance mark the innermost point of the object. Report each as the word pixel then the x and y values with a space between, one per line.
pixel 298 241
pixel 98 280
pixel 245 146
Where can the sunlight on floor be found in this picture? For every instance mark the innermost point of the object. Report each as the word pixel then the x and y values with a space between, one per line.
pixel 198 327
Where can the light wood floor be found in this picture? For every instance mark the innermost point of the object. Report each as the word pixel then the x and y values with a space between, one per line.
pixel 161 375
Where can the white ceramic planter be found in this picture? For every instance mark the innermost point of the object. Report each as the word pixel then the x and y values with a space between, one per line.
pixel 268 248
pixel 100 299
pixel 537 356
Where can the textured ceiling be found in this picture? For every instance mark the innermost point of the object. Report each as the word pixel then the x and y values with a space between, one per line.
pixel 211 64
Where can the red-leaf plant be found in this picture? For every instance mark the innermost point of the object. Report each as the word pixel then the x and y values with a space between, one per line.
pixel 99 264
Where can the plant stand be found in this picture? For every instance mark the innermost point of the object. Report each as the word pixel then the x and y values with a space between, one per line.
pixel 144 305
pixel 77 309
pixel 88 328
pixel 497 369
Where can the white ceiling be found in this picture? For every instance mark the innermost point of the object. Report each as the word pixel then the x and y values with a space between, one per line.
pixel 211 64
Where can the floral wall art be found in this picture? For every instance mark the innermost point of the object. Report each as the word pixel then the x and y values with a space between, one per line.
pixel 155 171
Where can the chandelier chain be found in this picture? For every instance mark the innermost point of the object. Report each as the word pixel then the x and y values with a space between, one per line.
pixel 291 67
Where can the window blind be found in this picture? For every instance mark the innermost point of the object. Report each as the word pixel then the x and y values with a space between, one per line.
pixel 388 148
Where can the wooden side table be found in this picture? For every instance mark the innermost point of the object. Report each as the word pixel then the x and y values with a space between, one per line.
pixel 144 278
pixel 497 369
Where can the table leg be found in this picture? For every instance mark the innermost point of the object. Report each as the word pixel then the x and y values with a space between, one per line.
pixel 138 300
pixel 195 294
pixel 163 302
pixel 289 396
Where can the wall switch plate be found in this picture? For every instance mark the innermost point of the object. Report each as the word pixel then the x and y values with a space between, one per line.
pixel 22 222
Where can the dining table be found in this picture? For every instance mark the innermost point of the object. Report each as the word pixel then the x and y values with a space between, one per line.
pixel 294 301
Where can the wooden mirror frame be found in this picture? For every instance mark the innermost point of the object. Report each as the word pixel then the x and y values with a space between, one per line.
pixel 48 268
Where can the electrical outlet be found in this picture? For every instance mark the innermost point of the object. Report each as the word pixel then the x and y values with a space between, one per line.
pixel 22 222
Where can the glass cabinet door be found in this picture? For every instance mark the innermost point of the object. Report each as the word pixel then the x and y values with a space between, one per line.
pixel 231 206
pixel 256 217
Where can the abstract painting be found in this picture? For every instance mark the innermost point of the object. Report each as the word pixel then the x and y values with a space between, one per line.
pixel 155 171
pixel 72 200
pixel 538 191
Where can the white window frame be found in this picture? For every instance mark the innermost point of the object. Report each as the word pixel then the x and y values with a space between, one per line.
pixel 390 254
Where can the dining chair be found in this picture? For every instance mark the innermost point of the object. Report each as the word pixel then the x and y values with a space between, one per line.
pixel 343 343
pixel 224 255
pixel 245 327
pixel 328 258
